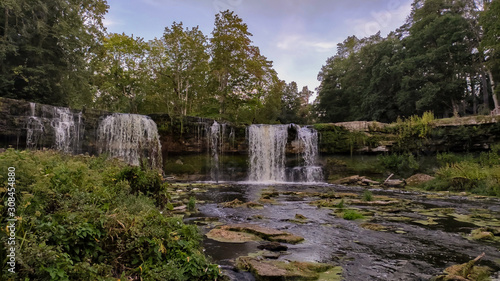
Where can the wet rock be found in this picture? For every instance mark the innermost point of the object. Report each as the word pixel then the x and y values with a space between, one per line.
pixel 223 235
pixel 287 238
pixel 300 217
pixel 265 233
pixel 372 203
pixel 273 246
pixel 373 226
pixel 271 255
pixel 356 180
pixel 465 272
pixel 418 179
pixel 481 234
pixel 394 183
pixel 280 270
pixel 236 203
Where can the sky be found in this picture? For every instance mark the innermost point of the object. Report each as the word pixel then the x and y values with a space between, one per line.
pixel 297 35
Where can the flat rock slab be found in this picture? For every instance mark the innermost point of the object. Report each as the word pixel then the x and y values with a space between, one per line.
pixel 280 270
pixel 228 236
pixel 264 232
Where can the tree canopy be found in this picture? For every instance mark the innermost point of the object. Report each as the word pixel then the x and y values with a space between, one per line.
pixel 440 60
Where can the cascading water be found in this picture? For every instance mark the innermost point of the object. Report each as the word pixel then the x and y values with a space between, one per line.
pixel 310 171
pixel 34 128
pixel 215 134
pixel 67 133
pixel 61 128
pixel 267 152
pixel 267 147
pixel 130 137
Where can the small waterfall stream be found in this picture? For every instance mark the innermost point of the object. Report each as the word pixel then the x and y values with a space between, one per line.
pixel 131 137
pixel 309 171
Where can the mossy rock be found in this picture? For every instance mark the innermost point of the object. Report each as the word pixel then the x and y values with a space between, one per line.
pixel 229 236
pixel 294 270
pixel 373 226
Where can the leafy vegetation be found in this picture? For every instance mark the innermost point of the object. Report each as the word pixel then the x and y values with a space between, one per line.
pixel 352 215
pixel 480 175
pixel 87 218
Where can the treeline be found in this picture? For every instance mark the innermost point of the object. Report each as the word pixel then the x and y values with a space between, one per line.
pixel 58 52
pixel 444 59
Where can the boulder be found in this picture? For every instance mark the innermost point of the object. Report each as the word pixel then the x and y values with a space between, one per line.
pixel 418 179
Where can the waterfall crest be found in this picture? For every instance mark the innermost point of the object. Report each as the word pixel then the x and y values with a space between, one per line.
pixel 131 137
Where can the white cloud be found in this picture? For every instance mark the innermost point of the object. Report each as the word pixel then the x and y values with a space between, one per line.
pixel 385 20
pixel 108 22
pixel 299 43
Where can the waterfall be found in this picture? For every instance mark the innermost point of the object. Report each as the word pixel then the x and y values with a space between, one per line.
pixel 67 133
pixel 267 152
pixel 267 147
pixel 130 137
pixel 63 130
pixel 34 128
pixel 310 171
pixel 215 142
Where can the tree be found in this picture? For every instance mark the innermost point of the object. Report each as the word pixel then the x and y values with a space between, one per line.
pixel 121 73
pixel 45 47
pixel 438 57
pixel 490 45
pixel 241 77
pixel 185 67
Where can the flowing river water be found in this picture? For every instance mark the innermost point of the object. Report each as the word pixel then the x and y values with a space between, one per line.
pixel 418 234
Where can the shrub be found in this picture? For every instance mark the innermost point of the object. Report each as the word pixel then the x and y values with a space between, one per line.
pixel 352 215
pixel 401 164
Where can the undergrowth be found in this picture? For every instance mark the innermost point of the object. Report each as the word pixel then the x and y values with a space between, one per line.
pixel 87 218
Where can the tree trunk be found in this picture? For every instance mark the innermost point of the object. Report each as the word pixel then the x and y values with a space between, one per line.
pixel 6 24
pixel 484 88
pixel 496 110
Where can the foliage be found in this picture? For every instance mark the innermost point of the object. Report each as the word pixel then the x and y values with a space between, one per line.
pixel 412 133
pixel 352 215
pixel 367 196
pixel 401 164
pixel 86 218
pixel 479 175
pixel 191 204
pixel 443 59
pixel 45 48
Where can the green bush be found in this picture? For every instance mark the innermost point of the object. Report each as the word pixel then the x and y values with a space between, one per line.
pixel 86 218
pixel 352 215
pixel 400 164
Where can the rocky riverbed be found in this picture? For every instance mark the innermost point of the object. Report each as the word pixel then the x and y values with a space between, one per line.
pixel 345 233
